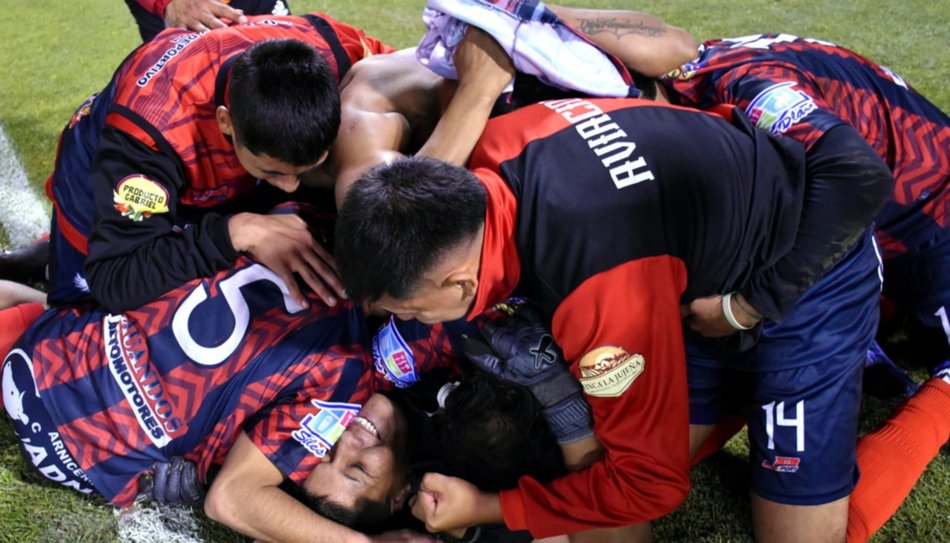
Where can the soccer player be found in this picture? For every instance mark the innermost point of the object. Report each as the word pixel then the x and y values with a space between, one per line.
pixel 151 172
pixel 392 106
pixel 223 371
pixel 611 214
pixel 802 89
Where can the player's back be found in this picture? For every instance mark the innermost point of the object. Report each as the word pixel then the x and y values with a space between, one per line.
pixel 181 375
pixel 803 87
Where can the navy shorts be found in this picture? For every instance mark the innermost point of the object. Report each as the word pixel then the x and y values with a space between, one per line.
pixel 40 441
pixel 918 282
pixel 799 388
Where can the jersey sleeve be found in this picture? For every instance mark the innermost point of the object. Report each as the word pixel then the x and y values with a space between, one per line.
pixel 156 7
pixel 139 249
pixel 846 185
pixel 296 431
pixel 778 99
pixel 622 332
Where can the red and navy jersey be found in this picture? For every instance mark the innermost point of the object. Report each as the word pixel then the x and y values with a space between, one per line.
pixel 803 87
pixel 186 373
pixel 610 214
pixel 165 176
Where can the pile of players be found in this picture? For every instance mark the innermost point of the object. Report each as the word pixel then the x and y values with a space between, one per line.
pixel 703 249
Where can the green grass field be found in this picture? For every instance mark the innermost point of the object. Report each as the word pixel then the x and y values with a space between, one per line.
pixel 54 54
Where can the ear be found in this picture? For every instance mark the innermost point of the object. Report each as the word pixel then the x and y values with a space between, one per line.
pixel 466 280
pixel 399 500
pixel 223 116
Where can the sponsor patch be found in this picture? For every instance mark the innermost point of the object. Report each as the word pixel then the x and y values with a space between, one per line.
pixel 780 106
pixel 138 197
pixel 83 111
pixel 783 464
pixel 319 431
pixel 392 356
pixel 686 71
pixel 609 371
pixel 130 364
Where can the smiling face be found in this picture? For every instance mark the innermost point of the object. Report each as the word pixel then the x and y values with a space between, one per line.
pixel 368 462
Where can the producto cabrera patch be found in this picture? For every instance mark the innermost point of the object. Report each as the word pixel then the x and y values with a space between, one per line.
pixel 138 197
pixel 392 356
pixel 609 371
pixel 320 430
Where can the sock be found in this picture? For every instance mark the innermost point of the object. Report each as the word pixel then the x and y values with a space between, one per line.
pixel 728 426
pixel 893 457
pixel 13 322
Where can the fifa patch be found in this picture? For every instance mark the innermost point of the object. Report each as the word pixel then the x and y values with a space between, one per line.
pixel 783 464
pixel 392 356
pixel 609 371
pixel 138 197
pixel 778 107
pixel 319 431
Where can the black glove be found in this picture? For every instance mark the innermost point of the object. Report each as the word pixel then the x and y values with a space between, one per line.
pixel 174 482
pixel 521 349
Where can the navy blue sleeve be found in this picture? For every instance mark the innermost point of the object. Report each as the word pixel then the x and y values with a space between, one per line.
pixel 135 257
pixel 847 184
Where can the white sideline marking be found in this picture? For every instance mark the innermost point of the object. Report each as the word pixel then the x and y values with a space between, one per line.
pixel 22 215
pixel 152 523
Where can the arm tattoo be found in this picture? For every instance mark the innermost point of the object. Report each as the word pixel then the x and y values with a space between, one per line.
pixel 619 28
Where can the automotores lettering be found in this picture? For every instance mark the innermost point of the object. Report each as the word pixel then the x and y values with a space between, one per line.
pixel 127 354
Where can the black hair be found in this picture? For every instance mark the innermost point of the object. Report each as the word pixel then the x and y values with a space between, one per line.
pixel 493 432
pixel 284 101
pixel 365 514
pixel 399 219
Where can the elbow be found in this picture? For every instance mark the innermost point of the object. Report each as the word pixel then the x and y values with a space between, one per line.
pixel 219 504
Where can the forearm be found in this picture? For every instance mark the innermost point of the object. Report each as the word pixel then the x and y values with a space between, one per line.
pixel 641 41
pixel 124 272
pixel 460 126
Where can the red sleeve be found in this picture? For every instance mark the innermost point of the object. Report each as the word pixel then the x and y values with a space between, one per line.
pixel 155 6
pixel 622 332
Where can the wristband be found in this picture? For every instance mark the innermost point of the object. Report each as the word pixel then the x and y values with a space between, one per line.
pixel 727 311
pixel 747 309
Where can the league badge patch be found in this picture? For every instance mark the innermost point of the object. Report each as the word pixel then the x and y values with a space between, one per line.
pixel 319 431
pixel 393 357
pixel 778 107
pixel 138 197
pixel 609 371
pixel 84 110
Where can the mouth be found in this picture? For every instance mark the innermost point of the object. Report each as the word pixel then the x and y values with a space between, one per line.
pixel 367 425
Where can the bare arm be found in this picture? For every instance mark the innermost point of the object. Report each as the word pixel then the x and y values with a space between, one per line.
pixel 484 70
pixel 641 41
pixel 245 497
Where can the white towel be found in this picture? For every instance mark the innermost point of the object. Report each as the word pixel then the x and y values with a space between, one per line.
pixel 538 42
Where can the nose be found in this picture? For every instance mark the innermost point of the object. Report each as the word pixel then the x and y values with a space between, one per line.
pixel 286 183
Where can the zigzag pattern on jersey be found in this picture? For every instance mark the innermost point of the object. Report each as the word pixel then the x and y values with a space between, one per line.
pixel 54 354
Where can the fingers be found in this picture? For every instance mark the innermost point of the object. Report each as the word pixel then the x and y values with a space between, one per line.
pixel 318 273
pixel 225 11
pixel 161 480
pixel 481 355
pixel 424 508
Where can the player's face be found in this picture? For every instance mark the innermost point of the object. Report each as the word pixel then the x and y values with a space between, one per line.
pixel 427 305
pixel 282 175
pixel 368 461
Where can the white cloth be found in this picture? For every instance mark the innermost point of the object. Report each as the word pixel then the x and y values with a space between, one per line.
pixel 538 42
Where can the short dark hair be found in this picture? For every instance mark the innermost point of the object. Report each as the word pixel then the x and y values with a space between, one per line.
pixel 493 432
pixel 284 101
pixel 399 219
pixel 363 515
